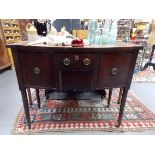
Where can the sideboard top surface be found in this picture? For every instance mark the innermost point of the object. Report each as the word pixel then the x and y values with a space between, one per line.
pixel 120 46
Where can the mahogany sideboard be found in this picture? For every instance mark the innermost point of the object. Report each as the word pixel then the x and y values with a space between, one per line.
pixel 68 68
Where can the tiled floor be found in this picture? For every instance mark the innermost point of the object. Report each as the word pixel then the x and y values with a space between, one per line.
pixel 11 102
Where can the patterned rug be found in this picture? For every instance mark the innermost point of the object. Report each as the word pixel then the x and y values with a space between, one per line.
pixel 148 75
pixel 85 115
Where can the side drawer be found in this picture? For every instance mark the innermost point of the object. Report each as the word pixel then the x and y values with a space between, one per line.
pixel 37 69
pixel 114 69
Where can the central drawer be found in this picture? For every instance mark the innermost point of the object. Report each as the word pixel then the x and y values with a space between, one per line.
pixel 76 71
pixel 76 61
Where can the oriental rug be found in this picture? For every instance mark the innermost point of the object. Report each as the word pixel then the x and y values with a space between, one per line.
pixel 85 115
pixel 148 75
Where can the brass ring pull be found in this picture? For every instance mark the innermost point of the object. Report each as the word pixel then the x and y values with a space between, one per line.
pixel 76 57
pixel 36 70
pixel 87 61
pixel 114 71
pixel 66 61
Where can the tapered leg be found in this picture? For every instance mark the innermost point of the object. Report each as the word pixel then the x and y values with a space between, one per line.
pixel 29 96
pixel 120 95
pixel 109 97
pixel 124 96
pixel 38 97
pixel 26 106
pixel 103 94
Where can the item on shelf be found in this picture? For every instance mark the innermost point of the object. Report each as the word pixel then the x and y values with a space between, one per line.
pixel 113 32
pixel 64 32
pixel 84 24
pixel 133 34
pixel 98 37
pixel 105 33
pixel 81 34
pixel 142 31
pixel 92 29
pixel 22 24
pixel 124 27
pixel 102 34
pixel 41 26
pixel 32 32
pixel 52 31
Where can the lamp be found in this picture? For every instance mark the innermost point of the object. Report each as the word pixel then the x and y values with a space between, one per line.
pixel 151 41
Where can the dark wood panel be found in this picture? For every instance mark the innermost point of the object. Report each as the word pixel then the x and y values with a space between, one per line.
pixel 38 69
pixel 76 80
pixel 114 69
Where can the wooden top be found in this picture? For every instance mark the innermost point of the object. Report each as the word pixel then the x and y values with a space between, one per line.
pixel 119 46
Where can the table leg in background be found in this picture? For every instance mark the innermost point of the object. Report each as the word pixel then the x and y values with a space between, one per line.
pixel 120 95
pixel 29 96
pixel 38 97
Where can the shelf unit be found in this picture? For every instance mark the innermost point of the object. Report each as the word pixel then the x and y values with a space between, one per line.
pixel 4 55
pixel 11 33
pixel 11 30
pixel 124 28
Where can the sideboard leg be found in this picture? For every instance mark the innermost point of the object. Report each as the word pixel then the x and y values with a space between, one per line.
pixel 103 94
pixel 120 95
pixel 109 97
pixel 29 96
pixel 38 97
pixel 26 107
pixel 123 101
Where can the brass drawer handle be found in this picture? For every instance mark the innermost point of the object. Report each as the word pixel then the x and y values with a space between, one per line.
pixel 114 71
pixel 36 70
pixel 66 61
pixel 87 61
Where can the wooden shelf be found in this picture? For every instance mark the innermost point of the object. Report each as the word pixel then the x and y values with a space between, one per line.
pixel 8 34
pixel 7 28
pixel 17 34
pixel 15 28
pixel 15 22
pixel 6 20
pixel 9 41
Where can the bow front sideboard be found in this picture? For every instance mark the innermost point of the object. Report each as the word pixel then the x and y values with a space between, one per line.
pixel 67 68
